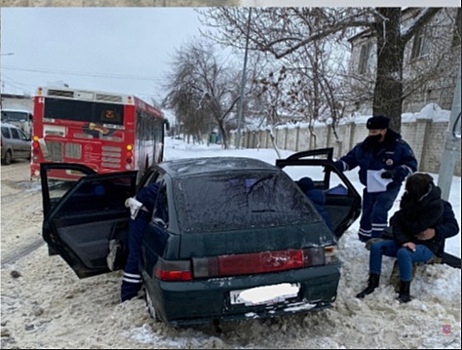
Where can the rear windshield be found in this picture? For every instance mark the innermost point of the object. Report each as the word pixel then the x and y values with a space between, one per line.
pixel 242 201
pixel 100 113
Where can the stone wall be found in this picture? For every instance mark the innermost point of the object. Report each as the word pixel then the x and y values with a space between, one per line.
pixel 427 139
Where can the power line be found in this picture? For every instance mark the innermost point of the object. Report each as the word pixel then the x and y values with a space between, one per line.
pixel 23 87
pixel 91 74
pixel 13 82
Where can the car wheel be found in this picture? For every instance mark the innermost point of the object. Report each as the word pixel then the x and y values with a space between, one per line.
pixel 7 158
pixel 150 306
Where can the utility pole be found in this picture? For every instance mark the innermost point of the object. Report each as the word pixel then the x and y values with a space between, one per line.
pixel 452 140
pixel 244 73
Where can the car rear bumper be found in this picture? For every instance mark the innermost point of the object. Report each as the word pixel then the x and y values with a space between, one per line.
pixel 183 303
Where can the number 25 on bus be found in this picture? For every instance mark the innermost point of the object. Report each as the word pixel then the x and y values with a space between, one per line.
pixel 105 131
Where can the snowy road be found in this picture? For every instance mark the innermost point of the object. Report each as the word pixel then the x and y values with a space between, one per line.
pixel 47 306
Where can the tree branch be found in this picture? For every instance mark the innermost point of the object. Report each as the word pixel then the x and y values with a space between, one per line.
pixel 423 18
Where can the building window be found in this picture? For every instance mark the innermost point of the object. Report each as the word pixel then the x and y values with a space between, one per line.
pixel 364 57
pixel 456 39
pixel 421 46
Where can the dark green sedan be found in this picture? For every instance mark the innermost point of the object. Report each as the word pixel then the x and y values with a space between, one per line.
pixel 230 238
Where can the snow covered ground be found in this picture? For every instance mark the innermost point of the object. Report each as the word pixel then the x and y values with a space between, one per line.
pixel 49 307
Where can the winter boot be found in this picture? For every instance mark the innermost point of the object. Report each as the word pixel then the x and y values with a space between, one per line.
pixel 394 277
pixel 373 283
pixel 404 292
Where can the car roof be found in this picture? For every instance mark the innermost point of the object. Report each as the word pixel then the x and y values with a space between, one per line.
pixel 207 165
pixel 15 110
pixel 10 125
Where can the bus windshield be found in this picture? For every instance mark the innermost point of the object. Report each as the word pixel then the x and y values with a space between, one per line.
pixel 101 113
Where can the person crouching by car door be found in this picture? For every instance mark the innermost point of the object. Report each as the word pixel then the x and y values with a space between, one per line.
pixel 141 208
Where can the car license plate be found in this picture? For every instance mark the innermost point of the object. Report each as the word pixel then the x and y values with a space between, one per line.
pixel 264 295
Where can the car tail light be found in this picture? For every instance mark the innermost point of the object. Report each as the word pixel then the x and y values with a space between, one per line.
pixel 173 270
pixel 263 262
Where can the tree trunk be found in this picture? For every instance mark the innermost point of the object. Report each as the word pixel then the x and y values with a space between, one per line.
pixel 224 135
pixel 388 89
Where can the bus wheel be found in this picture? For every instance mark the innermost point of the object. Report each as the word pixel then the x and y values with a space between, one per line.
pixel 7 158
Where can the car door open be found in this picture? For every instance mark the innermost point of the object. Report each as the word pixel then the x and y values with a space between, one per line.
pixel 79 224
pixel 342 201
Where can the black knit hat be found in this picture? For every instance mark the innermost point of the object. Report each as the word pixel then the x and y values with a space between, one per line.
pixel 378 122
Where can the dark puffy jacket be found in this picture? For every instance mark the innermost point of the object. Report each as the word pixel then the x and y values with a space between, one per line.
pixel 393 154
pixel 429 212
pixel 317 197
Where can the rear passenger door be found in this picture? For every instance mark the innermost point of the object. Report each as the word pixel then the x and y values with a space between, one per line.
pixel 343 202
pixel 81 217
pixel 21 144
pixel 24 144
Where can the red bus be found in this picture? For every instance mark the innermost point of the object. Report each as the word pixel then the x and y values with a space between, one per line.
pixel 107 132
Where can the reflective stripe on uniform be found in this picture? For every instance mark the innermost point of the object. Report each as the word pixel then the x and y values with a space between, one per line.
pixel 132 278
pixel 378 227
pixel 129 280
pixel 132 275
pixel 366 233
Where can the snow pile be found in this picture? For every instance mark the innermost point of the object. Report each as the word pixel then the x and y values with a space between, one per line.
pixel 49 307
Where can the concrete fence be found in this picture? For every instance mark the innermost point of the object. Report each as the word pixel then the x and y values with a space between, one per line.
pixel 425 136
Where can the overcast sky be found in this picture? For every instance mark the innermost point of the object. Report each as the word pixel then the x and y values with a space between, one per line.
pixel 117 49
pixel 66 44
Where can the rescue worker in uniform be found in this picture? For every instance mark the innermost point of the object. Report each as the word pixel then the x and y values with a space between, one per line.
pixel 384 160
pixel 141 208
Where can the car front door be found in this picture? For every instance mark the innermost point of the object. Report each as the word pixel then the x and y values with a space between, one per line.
pixel 343 202
pixel 81 217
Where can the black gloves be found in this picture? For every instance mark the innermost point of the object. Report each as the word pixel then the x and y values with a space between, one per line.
pixel 388 174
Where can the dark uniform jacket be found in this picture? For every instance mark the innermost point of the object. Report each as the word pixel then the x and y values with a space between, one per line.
pixel 430 211
pixel 392 154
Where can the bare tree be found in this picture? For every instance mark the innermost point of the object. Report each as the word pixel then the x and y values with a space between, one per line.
pixel 201 90
pixel 283 31
pixel 307 88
